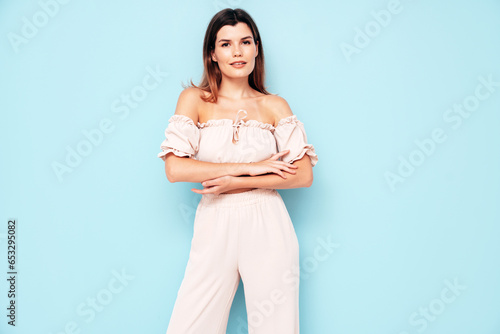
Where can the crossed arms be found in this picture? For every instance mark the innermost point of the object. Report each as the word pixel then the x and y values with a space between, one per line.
pixel 231 176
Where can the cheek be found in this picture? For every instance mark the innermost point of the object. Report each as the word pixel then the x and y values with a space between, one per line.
pixel 225 53
pixel 255 55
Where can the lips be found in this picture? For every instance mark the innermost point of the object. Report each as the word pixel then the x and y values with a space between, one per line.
pixel 238 63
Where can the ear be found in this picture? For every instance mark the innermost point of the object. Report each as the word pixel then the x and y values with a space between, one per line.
pixel 212 55
pixel 256 49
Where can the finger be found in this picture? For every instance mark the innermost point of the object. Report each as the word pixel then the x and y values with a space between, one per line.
pixel 284 166
pixel 287 169
pixel 280 173
pixel 283 152
pixel 214 190
pixel 279 154
pixel 211 183
pixel 203 191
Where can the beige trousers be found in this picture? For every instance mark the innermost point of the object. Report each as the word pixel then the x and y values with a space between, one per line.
pixel 246 235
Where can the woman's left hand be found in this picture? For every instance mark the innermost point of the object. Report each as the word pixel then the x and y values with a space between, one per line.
pixel 217 185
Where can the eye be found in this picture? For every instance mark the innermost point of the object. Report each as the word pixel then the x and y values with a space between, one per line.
pixel 223 44
pixel 247 42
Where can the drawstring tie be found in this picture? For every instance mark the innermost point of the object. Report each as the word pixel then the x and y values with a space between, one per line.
pixel 236 126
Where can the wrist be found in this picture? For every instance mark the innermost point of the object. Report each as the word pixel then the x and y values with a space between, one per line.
pixel 241 168
pixel 237 182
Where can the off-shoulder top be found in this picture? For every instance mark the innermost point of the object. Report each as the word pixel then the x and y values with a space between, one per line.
pixel 223 141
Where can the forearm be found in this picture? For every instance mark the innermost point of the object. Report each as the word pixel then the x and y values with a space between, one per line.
pixel 302 178
pixel 181 169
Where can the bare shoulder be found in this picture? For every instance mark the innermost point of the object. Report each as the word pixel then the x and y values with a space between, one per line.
pixel 188 103
pixel 278 107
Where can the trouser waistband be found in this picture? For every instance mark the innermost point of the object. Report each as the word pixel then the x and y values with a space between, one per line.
pixel 246 197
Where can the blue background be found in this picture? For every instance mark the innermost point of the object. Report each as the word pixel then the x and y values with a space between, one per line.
pixel 398 247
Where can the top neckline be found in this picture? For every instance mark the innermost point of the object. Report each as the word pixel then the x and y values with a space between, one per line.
pixel 248 123
pixel 229 122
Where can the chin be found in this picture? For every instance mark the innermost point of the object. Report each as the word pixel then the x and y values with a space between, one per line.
pixel 238 74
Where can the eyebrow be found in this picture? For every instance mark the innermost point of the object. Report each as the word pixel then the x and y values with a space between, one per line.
pixel 228 40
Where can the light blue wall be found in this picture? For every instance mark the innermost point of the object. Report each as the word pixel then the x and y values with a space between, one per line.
pixel 406 190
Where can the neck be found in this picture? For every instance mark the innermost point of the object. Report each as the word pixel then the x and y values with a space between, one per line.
pixel 235 88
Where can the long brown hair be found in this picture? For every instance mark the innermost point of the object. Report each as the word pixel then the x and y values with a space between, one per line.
pixel 212 76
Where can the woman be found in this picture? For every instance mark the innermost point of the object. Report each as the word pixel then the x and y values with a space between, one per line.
pixel 242 228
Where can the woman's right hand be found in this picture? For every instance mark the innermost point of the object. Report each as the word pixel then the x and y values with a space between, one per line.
pixel 271 165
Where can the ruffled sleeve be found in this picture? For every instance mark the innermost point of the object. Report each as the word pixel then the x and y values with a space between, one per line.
pixel 182 137
pixel 290 134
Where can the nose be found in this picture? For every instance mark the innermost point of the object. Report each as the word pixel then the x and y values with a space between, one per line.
pixel 237 51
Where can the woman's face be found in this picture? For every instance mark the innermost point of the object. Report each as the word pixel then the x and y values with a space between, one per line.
pixel 235 44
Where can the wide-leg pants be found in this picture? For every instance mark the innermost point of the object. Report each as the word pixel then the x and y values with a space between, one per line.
pixel 247 235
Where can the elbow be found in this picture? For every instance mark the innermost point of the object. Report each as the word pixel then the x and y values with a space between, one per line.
pixel 170 175
pixel 169 172
pixel 309 181
pixel 175 169
pixel 309 178
pixel 304 173
pixel 304 181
